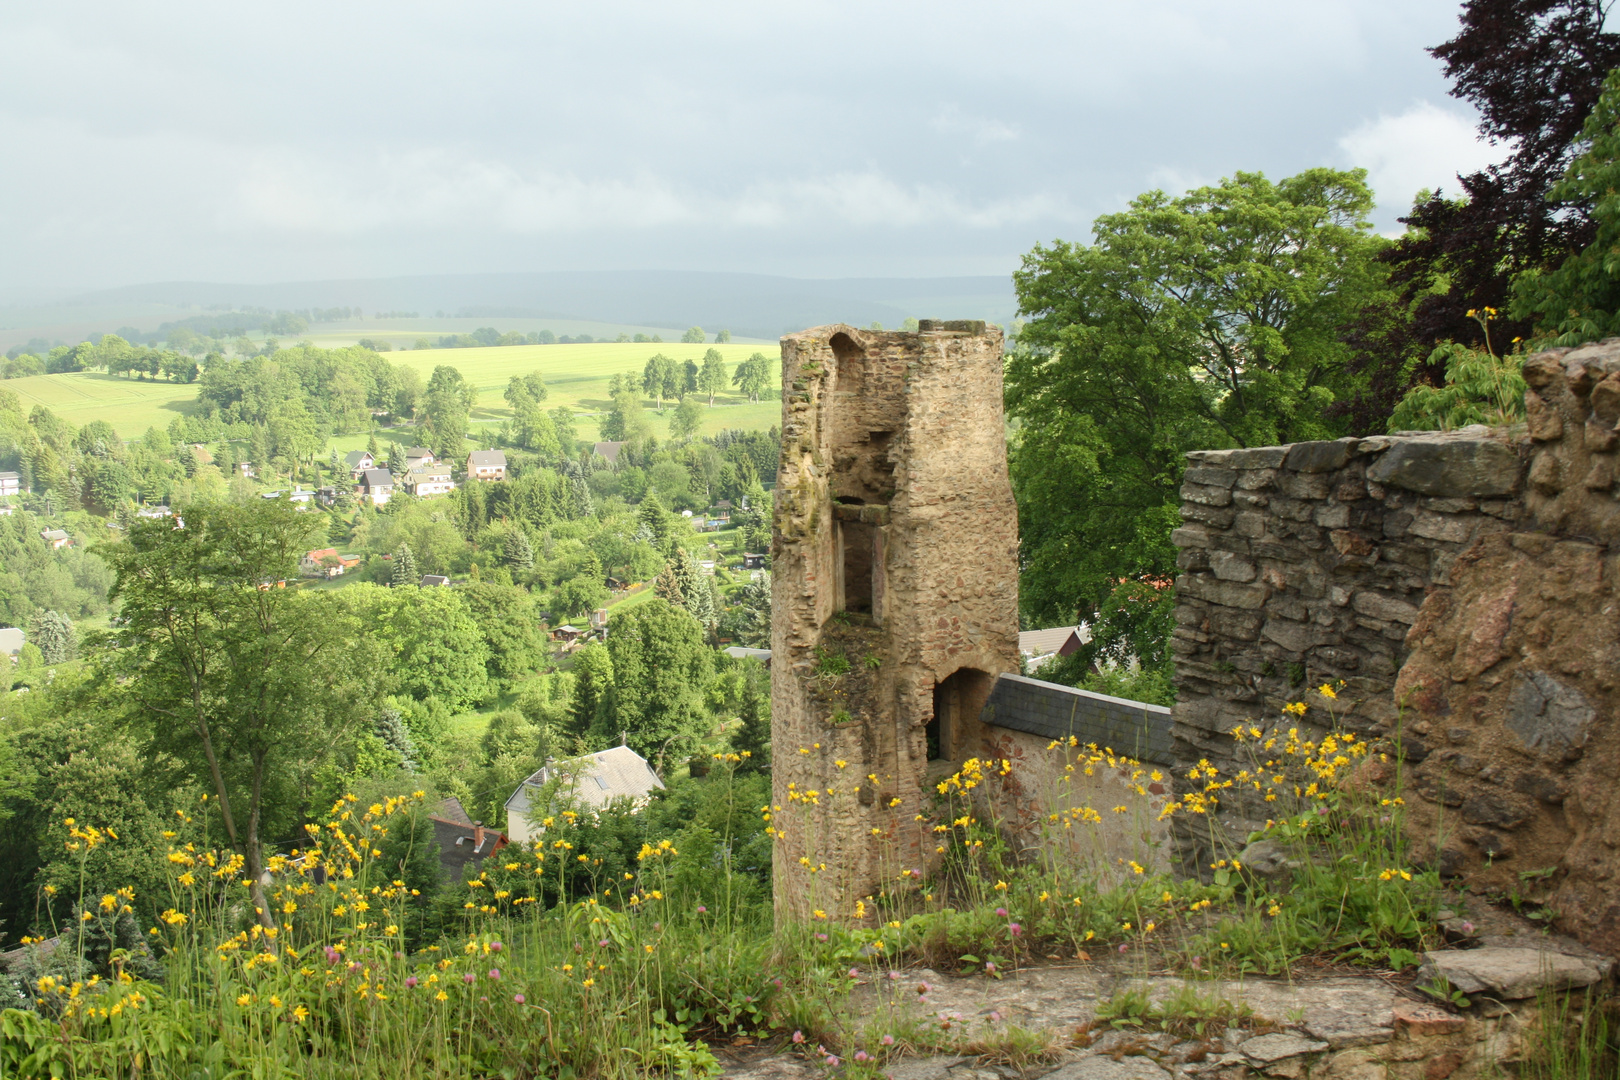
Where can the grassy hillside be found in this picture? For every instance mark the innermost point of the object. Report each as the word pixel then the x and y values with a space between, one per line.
pixel 128 405
pixel 577 376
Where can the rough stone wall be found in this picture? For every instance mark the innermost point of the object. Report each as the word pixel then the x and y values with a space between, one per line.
pixel 1307 564
pixel 1514 674
pixel 894 547
pixel 1464 586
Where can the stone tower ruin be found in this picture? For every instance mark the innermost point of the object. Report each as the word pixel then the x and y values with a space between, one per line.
pixel 895 597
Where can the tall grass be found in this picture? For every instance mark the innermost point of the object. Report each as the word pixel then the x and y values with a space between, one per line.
pixel 582 954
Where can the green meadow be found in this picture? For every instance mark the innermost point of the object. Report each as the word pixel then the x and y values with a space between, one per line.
pixel 576 376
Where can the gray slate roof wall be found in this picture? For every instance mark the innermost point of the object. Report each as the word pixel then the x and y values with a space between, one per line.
pixel 1053 711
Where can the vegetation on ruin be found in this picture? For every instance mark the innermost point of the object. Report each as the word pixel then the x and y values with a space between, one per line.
pixel 617 942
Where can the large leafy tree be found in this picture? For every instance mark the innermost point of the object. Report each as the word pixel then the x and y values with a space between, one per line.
pixel 660 669
pixel 448 407
pixel 1580 299
pixel 227 671
pixel 1207 320
pixel 1534 69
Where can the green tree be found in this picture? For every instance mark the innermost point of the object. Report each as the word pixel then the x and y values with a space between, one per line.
pixel 714 376
pixel 693 336
pixel 53 633
pixel 1579 301
pixel 593 684
pixel 448 406
pixel 753 376
pixel 1207 320
pixel 505 618
pixel 656 377
pixel 652 520
pixel 435 648
pixel 753 733
pixel 688 417
pixel 660 667
pixel 404 572
pixel 238 681
pixel 723 337
pixel 391 730
pixel 517 551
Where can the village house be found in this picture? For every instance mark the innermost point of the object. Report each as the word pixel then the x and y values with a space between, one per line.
pixel 486 465
pixel 433 581
pixel 461 840
pixel 153 513
pixel 357 462
pixel 56 538
pixel 589 782
pixel 12 640
pixel 378 484
pixel 245 468
pixel 1041 647
pixel 326 562
pixel 417 456
pixel 10 483
pixel 429 479
pixel 567 634
pixel 608 451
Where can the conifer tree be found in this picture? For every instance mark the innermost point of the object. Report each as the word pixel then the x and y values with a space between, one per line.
pixel 53 634
pixel 518 551
pixel 580 503
pixel 405 567
pixel 753 735
pixel 390 728
pixel 371 445
pixel 652 518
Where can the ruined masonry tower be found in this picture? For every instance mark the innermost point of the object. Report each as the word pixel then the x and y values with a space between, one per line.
pixel 895 599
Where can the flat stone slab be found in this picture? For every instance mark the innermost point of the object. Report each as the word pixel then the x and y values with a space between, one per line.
pixel 1266 1050
pixel 1513 974
pixel 1106 1068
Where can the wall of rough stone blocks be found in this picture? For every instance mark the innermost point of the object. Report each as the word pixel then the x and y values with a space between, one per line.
pixel 894 466
pixel 1307 564
pixel 1464 587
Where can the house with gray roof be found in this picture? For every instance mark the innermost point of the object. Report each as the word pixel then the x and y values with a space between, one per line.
pixel 357 462
pixel 486 465
pixel 1039 647
pixel 590 783
pixel 378 484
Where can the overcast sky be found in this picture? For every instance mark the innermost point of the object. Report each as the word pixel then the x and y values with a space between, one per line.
pixel 270 142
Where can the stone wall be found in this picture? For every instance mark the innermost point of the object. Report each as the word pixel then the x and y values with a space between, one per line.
pixel 1307 564
pixel 894 554
pixel 1462 587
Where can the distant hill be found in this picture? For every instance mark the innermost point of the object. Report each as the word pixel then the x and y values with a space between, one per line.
pixel 751 305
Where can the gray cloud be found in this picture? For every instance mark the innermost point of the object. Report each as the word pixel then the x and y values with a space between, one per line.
pixel 303 140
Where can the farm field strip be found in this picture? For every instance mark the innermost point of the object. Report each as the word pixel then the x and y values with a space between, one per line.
pixel 577 376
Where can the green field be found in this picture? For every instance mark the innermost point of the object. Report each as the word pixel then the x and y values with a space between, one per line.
pixel 576 375
pixel 128 405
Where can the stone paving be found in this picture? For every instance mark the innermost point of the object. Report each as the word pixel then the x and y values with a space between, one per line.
pixel 1317 1028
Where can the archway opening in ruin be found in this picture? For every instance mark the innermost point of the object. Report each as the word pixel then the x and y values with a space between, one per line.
pixel 958 699
pixel 859 561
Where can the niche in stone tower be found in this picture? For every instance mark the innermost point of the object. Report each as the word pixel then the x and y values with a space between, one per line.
pixel 957 701
pixel 869 404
